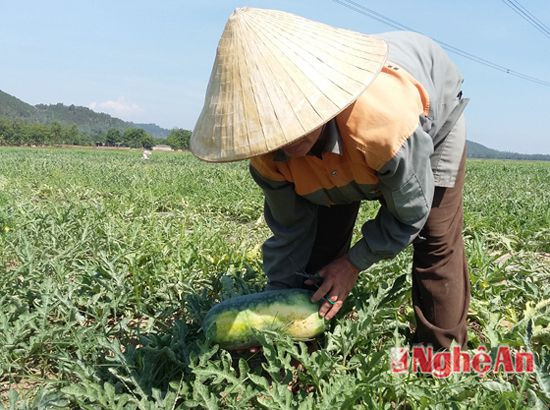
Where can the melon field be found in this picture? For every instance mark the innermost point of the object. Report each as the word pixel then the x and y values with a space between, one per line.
pixel 109 262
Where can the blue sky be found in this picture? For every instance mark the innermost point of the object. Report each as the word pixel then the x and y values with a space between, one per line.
pixel 148 61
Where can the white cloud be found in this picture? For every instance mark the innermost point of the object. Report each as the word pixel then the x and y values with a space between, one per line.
pixel 118 107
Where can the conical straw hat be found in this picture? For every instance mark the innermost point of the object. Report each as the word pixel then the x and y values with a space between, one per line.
pixel 277 77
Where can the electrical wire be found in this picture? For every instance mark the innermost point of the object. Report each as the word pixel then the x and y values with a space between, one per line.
pixel 528 16
pixel 359 8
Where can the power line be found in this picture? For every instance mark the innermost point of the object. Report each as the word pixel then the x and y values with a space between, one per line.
pixel 528 16
pixel 359 8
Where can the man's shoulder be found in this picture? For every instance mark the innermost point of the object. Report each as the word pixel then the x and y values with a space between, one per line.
pixel 385 115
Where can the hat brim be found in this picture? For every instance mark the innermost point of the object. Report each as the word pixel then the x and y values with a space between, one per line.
pixel 278 77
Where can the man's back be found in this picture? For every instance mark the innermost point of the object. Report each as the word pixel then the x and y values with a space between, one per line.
pixel 425 60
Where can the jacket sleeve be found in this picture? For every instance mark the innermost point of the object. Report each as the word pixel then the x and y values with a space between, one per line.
pixel 293 222
pixel 407 186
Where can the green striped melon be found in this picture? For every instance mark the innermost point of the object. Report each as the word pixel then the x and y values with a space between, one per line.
pixel 233 322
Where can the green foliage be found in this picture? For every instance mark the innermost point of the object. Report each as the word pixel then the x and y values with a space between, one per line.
pixel 113 137
pixel 24 133
pixel 137 138
pixel 108 264
pixel 15 132
pixel 179 138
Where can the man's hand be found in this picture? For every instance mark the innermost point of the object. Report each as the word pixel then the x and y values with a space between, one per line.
pixel 339 278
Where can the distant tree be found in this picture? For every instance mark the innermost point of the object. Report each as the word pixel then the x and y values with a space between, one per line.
pixel 148 142
pixel 6 131
pixel 72 135
pixel 19 132
pixel 179 138
pixel 137 138
pixel 56 133
pixel 113 136
pixel 98 137
pixel 36 134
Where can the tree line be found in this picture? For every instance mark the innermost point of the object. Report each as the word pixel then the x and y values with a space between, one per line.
pixel 17 132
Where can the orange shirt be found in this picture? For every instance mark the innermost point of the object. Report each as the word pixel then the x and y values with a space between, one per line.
pixel 372 131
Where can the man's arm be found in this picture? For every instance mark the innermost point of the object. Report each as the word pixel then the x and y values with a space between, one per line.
pixel 407 186
pixel 293 221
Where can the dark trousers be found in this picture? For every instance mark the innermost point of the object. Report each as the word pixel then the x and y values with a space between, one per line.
pixel 441 287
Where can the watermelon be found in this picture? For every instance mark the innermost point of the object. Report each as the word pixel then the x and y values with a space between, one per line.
pixel 233 323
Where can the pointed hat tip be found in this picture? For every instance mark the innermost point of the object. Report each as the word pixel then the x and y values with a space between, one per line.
pixel 239 10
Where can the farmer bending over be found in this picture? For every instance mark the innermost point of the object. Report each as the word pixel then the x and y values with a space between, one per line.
pixel 331 117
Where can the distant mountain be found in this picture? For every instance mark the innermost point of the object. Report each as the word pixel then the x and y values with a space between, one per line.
pixel 86 120
pixel 12 107
pixel 476 150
